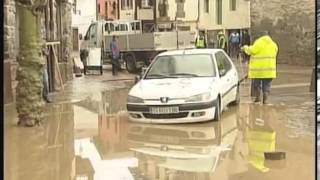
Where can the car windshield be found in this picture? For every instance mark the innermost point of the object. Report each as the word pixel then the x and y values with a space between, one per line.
pixel 187 65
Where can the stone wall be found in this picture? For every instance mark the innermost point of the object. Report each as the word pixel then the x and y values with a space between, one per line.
pixel 11 43
pixel 10 51
pixel 292 25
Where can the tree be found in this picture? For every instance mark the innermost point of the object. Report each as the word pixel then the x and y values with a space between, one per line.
pixel 29 75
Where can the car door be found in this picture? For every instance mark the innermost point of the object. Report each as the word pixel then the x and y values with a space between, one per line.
pixel 225 74
pixel 231 78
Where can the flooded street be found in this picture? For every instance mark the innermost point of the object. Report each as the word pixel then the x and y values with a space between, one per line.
pixel 87 136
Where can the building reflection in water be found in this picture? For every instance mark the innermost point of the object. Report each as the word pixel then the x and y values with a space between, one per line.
pixel 106 147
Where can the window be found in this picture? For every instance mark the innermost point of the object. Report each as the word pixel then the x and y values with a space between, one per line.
pixel 123 27
pixel 117 28
pixel 137 26
pixel 206 6
pixel 91 31
pixel 233 5
pixel 223 63
pixel 126 4
pixel 146 3
pixel 219 11
pixel 194 65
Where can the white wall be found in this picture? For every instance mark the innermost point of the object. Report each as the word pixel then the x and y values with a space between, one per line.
pixel 87 14
pixel 230 19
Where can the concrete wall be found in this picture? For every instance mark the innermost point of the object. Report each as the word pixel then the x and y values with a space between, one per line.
pixel 292 25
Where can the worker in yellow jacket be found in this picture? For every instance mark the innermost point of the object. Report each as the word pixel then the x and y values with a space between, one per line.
pixel 262 64
pixel 201 41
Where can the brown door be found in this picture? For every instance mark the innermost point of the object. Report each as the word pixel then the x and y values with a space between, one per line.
pixel 75 39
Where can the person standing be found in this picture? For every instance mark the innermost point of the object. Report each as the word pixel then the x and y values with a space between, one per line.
pixel 115 53
pixel 245 40
pixel 221 41
pixel 234 41
pixel 262 64
pixel 201 41
pixel 45 76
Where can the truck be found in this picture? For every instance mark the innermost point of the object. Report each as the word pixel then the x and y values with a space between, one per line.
pixel 137 48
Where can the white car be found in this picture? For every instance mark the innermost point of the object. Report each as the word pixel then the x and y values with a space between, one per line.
pixel 184 86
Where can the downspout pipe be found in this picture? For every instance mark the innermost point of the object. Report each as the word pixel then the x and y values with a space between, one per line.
pixel 198 18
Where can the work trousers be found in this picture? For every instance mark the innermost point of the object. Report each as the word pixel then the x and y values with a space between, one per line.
pixel 263 84
pixel 115 66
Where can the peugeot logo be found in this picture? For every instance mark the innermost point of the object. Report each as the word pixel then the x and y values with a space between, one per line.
pixel 164 99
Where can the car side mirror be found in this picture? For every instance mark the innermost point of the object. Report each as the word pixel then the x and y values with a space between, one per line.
pixel 80 36
pixel 137 79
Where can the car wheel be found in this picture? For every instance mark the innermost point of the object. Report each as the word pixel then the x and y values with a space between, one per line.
pixel 217 114
pixel 237 100
pixel 130 64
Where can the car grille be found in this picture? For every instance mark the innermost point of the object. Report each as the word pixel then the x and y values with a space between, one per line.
pixel 165 116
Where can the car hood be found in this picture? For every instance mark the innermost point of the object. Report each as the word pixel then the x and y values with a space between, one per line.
pixel 172 88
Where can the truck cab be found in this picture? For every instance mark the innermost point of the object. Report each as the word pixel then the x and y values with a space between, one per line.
pixel 97 30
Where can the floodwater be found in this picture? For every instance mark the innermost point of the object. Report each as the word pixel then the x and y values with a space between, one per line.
pixel 92 139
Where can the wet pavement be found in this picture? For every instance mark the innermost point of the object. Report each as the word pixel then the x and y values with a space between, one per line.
pixel 87 135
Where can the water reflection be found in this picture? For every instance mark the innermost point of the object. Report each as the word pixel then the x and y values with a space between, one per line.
pixel 35 153
pixel 92 139
pixel 181 151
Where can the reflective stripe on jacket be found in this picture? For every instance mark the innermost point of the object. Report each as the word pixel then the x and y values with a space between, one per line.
pixel 263 58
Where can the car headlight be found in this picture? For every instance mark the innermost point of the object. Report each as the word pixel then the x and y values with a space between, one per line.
pixel 133 99
pixel 199 97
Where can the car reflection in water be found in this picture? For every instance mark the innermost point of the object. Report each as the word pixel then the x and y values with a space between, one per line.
pixel 190 151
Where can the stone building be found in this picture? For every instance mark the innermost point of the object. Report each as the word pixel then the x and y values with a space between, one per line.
pixel 291 23
pixel 56 27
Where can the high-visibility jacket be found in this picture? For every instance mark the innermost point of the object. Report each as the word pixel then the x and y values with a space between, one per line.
pixel 260 142
pixel 200 43
pixel 222 41
pixel 263 58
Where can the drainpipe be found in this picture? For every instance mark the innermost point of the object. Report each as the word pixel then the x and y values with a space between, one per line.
pixel 136 10
pixel 198 18
pixel 155 13
pixel 118 9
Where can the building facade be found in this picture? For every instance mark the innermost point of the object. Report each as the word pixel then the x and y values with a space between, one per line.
pixel 209 16
pixel 84 12
pixel 108 9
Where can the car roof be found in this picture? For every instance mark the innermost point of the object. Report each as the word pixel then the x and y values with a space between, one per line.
pixel 190 51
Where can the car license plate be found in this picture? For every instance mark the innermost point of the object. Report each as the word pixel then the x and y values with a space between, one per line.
pixel 164 110
pixel 164 139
